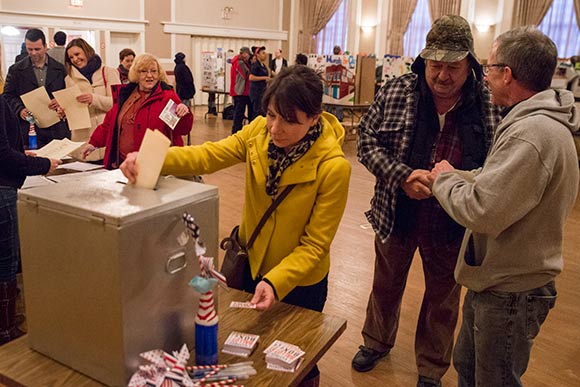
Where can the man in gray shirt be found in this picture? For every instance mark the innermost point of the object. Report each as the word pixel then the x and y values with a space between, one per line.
pixel 57 52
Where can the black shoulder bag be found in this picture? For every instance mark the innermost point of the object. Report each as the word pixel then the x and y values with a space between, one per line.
pixel 236 255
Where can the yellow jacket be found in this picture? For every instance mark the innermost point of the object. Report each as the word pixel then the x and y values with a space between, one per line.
pixel 293 247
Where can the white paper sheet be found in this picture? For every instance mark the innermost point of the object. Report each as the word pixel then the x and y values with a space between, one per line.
pixel 77 113
pixel 79 166
pixel 37 101
pixel 57 149
pixel 151 157
pixel 36 181
pixel 168 114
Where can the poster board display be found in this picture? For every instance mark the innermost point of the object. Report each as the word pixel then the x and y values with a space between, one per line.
pixel 213 70
pixel 339 73
pixel 394 66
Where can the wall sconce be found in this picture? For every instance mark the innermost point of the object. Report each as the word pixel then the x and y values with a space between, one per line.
pixel 367 25
pixel 76 3
pixel 227 13
pixel 482 27
pixel 367 29
pixel 9 31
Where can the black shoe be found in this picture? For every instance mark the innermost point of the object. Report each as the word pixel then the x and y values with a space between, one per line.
pixel 366 359
pixel 428 382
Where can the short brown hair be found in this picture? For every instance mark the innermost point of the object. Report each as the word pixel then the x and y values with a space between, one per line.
pixel 126 52
pixel 297 87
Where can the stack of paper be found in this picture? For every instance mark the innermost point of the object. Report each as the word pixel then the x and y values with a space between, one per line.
pixel 281 356
pixel 240 344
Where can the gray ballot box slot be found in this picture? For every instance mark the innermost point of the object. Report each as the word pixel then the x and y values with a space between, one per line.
pixel 105 274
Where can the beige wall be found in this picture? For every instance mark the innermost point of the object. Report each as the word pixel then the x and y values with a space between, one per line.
pixel 157 42
pixel 368 17
pixel 258 14
pixel 125 9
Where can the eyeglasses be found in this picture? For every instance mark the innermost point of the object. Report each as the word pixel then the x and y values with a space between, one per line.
pixel 145 72
pixel 487 67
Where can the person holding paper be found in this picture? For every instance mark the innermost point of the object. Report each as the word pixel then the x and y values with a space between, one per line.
pixel 15 165
pixel 86 70
pixel 295 144
pixel 38 70
pixel 140 105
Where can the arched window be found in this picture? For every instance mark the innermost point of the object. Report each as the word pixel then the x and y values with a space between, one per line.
pixel 561 26
pixel 414 39
pixel 335 31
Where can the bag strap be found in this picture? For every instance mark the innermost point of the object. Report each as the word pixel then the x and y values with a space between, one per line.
pixel 267 214
pixel 104 79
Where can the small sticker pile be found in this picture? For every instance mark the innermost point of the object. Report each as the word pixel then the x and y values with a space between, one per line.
pixel 240 344
pixel 281 356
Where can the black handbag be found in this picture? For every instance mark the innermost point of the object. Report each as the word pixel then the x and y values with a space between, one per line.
pixel 236 255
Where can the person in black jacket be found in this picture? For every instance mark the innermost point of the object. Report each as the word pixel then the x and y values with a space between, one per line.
pixel 15 165
pixel 184 85
pixel 278 62
pixel 38 69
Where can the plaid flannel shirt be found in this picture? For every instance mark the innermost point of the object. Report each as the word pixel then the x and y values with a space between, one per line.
pixel 385 134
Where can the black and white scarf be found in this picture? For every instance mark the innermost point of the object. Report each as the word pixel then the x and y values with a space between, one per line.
pixel 280 159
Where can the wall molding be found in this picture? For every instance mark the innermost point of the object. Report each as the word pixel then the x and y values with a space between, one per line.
pixel 72 22
pixel 221 31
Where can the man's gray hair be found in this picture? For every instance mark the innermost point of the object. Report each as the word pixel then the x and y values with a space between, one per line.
pixel 531 55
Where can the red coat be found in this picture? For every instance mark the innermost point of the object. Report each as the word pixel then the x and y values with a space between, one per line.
pixel 239 77
pixel 107 133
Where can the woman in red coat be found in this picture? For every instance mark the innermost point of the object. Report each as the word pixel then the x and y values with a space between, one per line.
pixel 138 109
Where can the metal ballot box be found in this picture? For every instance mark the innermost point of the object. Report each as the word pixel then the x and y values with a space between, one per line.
pixel 105 270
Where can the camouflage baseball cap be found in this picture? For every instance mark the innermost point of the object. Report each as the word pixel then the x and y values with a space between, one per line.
pixel 449 40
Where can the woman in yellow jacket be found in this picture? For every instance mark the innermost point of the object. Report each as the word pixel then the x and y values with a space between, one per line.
pixel 296 143
pixel 86 70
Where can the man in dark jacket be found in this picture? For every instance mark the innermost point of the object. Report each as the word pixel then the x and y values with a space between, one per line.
pixel 37 70
pixel 278 62
pixel 440 110
pixel 184 85
pixel 15 165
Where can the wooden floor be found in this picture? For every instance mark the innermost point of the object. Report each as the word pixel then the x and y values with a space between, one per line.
pixel 556 355
pixel 555 358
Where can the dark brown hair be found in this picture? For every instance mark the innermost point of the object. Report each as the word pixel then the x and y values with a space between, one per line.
pixel 295 88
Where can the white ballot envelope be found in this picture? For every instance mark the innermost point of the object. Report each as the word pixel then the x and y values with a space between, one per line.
pixel 77 113
pixel 57 149
pixel 151 157
pixel 36 102
pixel 168 114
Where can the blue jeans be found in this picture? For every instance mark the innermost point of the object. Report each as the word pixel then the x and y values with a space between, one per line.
pixel 9 241
pixel 496 337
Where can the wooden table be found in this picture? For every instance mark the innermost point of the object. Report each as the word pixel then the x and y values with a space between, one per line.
pixel 356 111
pixel 217 99
pixel 314 332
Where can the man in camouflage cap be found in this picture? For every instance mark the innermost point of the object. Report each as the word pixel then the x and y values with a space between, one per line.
pixel 439 111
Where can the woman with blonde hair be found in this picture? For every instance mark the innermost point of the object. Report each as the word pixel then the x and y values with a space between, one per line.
pixel 86 70
pixel 140 103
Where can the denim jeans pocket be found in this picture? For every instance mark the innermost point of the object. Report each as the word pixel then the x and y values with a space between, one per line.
pixel 538 308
